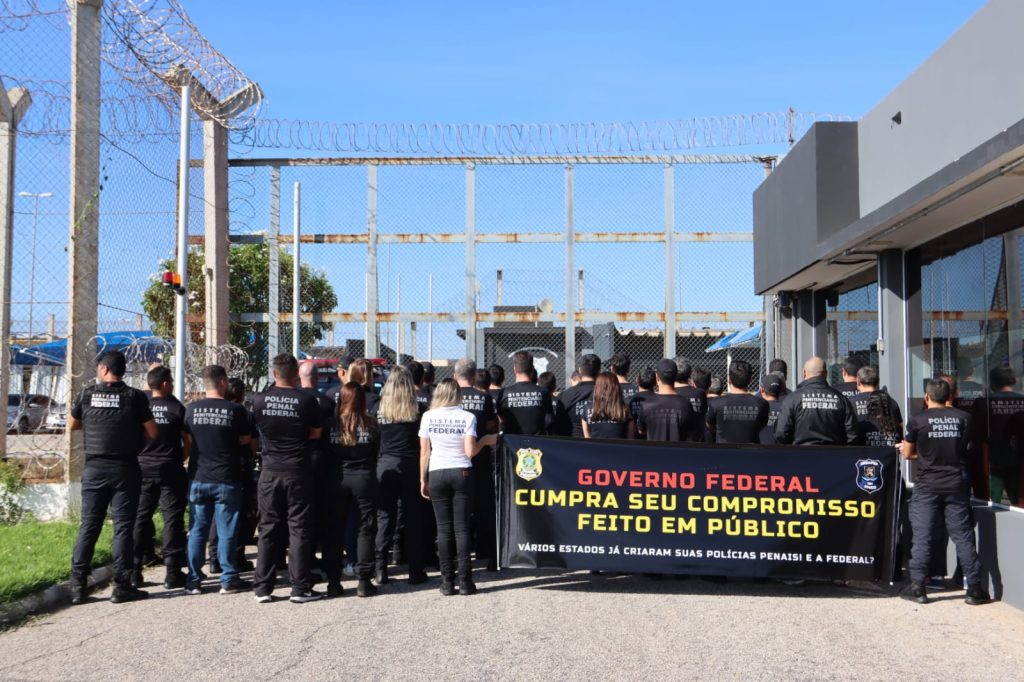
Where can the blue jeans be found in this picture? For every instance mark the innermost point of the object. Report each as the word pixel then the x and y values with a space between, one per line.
pixel 210 503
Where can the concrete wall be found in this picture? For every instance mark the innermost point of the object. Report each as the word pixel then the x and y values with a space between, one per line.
pixel 967 92
pixel 1001 550
pixel 810 196
pixel 46 501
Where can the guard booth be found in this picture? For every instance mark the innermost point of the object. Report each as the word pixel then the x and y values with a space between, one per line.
pixel 907 226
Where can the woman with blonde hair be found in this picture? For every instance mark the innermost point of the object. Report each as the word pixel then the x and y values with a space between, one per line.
pixel 398 417
pixel 448 444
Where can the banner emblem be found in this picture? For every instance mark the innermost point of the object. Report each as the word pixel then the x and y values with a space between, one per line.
pixel 869 475
pixel 528 466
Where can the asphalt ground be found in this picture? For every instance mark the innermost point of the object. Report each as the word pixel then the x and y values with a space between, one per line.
pixel 526 625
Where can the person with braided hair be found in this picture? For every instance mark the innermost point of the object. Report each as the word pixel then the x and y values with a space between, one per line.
pixel 880 421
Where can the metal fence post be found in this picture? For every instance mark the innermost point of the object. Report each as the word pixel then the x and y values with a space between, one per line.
pixel 471 331
pixel 84 199
pixel 12 108
pixel 296 270
pixel 670 262
pixel 570 269
pixel 372 298
pixel 274 264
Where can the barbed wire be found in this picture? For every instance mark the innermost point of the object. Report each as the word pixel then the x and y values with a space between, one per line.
pixel 157 45
pixel 534 138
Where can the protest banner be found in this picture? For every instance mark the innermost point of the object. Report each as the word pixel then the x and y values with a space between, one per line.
pixel 751 511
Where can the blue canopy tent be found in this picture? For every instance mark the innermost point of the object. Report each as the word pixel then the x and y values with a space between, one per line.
pixel 142 346
pixel 741 339
pixel 721 344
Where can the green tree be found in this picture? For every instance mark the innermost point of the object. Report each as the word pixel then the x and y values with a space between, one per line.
pixel 249 286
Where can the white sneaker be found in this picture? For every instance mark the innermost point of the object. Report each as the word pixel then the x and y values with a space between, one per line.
pixel 264 598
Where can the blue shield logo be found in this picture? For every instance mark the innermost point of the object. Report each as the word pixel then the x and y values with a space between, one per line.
pixel 869 475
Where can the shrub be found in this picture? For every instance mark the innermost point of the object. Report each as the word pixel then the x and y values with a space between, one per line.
pixel 11 485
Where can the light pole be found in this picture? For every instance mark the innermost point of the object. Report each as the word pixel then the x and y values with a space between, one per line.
pixel 32 262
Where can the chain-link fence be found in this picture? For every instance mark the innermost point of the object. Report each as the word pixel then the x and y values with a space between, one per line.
pixel 435 259
pixel 105 279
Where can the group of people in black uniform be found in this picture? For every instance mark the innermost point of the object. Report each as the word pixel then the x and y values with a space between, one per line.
pixel 412 461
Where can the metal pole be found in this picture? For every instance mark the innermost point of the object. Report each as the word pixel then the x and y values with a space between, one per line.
pixel 296 273
pixel 669 350
pixel 32 268
pixel 570 266
pixel 497 297
pixel 579 290
pixel 471 330
pixel 372 297
pixel 430 309
pixel 181 300
pixel 401 324
pixel 274 267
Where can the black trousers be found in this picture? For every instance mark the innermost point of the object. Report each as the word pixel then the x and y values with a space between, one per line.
pixel 399 479
pixel 286 516
pixel 484 507
pixel 117 487
pixel 929 510
pixel 358 486
pixel 248 518
pixel 168 491
pixel 451 493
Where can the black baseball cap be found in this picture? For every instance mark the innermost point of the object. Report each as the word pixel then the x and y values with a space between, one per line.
pixel 772 384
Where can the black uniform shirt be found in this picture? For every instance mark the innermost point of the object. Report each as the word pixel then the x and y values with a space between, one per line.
pixel 942 437
pixel 698 400
pixel 816 414
pixel 480 405
pixel 738 417
pixel 629 389
pixel 525 408
pixel 284 417
pixel 359 457
pixel 847 388
pixel 328 407
pixel 999 421
pixel 112 415
pixel 372 399
pixel 668 418
pixel 871 434
pixel 767 436
pixel 861 400
pixel 496 394
pixel 636 406
pixel 399 439
pixel 423 396
pixel 574 405
pixel 216 425
pixel 608 429
pixel 166 449
pixel 968 393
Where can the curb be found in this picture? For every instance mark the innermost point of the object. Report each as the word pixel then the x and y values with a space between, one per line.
pixel 50 599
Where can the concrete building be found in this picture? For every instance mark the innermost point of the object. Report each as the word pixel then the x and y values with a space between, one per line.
pixel 920 203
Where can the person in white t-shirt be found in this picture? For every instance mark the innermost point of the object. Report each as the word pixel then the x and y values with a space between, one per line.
pixel 448 445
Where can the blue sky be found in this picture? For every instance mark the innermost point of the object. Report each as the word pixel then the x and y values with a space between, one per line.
pixel 574 61
pixel 498 63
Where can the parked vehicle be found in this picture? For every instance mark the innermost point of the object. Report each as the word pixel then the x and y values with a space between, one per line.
pixel 29 413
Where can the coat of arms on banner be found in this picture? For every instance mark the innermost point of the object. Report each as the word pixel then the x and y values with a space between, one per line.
pixel 528 466
pixel 869 475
